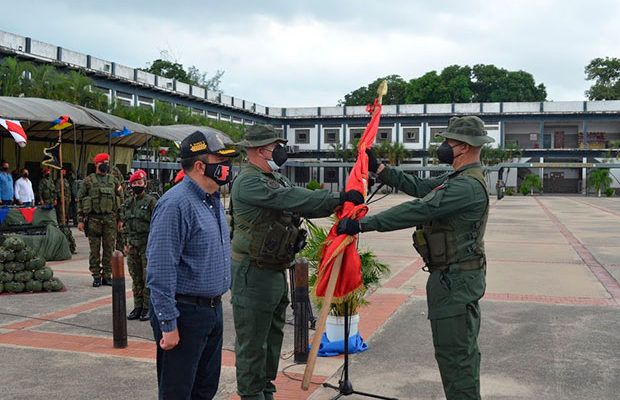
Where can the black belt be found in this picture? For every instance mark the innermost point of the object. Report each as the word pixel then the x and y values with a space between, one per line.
pixel 199 300
pixel 469 265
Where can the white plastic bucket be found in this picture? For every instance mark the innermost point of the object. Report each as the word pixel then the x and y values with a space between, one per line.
pixel 334 328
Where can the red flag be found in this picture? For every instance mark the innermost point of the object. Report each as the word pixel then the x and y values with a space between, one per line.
pixel 350 277
pixel 16 130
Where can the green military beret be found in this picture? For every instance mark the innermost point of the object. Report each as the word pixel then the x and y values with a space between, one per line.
pixel 468 129
pixel 260 135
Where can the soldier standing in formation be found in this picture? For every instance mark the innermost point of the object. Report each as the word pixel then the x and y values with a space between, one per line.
pixel 266 211
pixel 450 216
pixel 98 204
pixel 47 189
pixel 136 217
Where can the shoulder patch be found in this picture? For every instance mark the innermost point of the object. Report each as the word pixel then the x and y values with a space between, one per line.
pixel 271 184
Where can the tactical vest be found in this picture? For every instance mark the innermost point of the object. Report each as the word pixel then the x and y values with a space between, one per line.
pixel 443 245
pixel 137 214
pixel 101 197
pixel 47 191
pixel 272 240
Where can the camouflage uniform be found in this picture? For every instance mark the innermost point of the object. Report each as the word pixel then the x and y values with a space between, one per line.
pixel 136 216
pixel 47 191
pixel 98 201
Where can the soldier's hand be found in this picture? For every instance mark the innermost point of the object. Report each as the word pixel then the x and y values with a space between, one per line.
pixel 81 226
pixel 169 340
pixel 353 196
pixel 119 226
pixel 126 249
pixel 373 163
pixel 349 227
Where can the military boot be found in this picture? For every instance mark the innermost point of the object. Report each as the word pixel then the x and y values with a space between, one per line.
pixel 96 281
pixel 146 314
pixel 135 314
pixel 106 281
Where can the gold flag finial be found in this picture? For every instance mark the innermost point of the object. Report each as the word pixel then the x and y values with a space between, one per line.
pixel 382 90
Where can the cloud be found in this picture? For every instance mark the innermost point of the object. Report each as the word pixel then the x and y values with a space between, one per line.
pixel 307 53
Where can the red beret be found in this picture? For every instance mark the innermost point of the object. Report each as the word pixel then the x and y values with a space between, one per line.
pixel 101 157
pixel 139 174
pixel 179 177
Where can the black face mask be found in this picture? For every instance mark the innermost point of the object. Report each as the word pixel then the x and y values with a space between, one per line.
pixel 25 175
pixel 445 153
pixel 5 168
pixel 219 172
pixel 104 168
pixel 138 190
pixel 279 155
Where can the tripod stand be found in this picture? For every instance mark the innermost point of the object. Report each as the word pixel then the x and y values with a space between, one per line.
pixel 345 387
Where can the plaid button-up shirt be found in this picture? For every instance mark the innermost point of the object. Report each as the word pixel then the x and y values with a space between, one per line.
pixel 188 249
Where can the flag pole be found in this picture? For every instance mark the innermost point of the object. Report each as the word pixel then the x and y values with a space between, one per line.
pixel 62 180
pixel 331 286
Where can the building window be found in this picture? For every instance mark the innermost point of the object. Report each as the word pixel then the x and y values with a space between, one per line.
pixel 355 134
pixel 237 120
pixel 332 135
pixel 384 135
pixel 212 114
pixel 302 174
pixel 198 111
pixel 302 136
pixel 330 175
pixel 411 135
pixel 225 117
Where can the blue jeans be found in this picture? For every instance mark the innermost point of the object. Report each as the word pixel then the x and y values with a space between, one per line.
pixel 191 370
pixel 27 203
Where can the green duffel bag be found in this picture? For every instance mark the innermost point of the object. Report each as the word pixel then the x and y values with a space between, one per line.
pixel 14 266
pixel 14 243
pixel 36 263
pixel 43 274
pixel 6 276
pixel 1 266
pixel 23 276
pixel 6 255
pixel 34 286
pixel 53 285
pixel 24 255
pixel 14 287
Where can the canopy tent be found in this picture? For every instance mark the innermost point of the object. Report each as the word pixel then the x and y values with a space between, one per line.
pixel 177 133
pixel 92 126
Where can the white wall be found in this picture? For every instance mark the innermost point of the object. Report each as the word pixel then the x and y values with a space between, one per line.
pixel 12 41
pixel 100 65
pixel 313 136
pixel 43 49
pixel 411 145
pixel 123 71
pixel 73 58
pixel 198 91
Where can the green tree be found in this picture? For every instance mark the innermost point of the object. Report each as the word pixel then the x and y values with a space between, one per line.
pixel 605 72
pixel 397 91
pixel 455 84
pixel 172 69
pixel 168 69
pixel 12 76
pixel 394 152
pixel 530 182
pixel 599 179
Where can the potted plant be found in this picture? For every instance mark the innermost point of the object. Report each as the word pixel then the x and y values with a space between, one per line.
pixel 600 180
pixel 531 182
pixel 372 272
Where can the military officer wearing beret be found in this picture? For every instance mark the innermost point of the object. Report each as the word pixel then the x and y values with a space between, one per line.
pixel 450 215
pixel 136 216
pixel 98 205
pixel 266 212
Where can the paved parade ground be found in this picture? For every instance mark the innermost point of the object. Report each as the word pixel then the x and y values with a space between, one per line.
pixel 550 319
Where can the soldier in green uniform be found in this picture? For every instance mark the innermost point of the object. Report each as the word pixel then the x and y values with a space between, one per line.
pixel 98 203
pixel 136 217
pixel 450 216
pixel 64 227
pixel 47 189
pixel 266 212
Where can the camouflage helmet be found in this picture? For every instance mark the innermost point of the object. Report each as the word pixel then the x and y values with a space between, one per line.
pixel 260 135
pixel 468 129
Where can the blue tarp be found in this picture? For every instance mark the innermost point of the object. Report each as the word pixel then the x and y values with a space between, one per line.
pixel 330 349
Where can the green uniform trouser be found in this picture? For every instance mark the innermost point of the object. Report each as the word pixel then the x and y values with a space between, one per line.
pixel 101 236
pixel 454 314
pixel 259 299
pixel 136 262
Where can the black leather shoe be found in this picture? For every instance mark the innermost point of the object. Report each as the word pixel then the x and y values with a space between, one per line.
pixel 96 282
pixel 134 314
pixel 106 282
pixel 146 314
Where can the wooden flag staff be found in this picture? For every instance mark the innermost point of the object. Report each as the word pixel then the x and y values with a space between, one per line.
pixel 331 286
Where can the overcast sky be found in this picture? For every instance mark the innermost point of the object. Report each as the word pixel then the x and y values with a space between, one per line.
pixel 309 53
